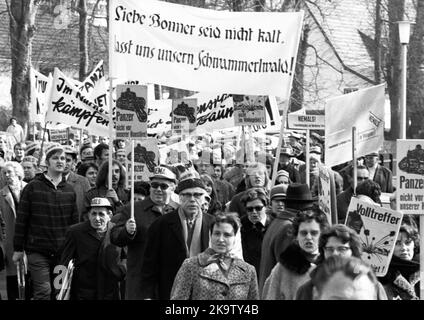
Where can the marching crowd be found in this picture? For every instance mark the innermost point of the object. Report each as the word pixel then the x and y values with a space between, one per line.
pixel 216 230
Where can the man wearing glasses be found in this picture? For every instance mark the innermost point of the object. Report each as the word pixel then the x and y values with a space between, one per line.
pixel 172 238
pixel 343 199
pixel 133 232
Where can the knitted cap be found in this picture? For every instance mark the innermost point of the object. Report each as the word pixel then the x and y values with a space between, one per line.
pixel 188 184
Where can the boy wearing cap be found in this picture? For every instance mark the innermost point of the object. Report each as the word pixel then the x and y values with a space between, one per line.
pixel 46 209
pixel 174 237
pixel 284 164
pixel 133 233
pixel 98 267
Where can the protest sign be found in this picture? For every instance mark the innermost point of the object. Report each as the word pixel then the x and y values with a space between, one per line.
pixel 249 110
pixel 306 119
pixel 59 136
pixel 324 191
pixel 363 109
pixel 94 87
pixel 174 153
pixel 410 176
pixel 184 115
pixel 40 93
pixel 131 111
pixel 146 158
pixel 69 106
pixel 378 229
pixel 238 52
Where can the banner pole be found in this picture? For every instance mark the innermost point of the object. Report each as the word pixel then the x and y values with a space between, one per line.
pixel 42 144
pixel 355 162
pixel 308 180
pixel 110 133
pixel 33 131
pixel 132 179
pixel 421 257
pixel 280 142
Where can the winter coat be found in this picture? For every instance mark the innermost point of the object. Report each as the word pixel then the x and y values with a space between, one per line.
pixel 276 239
pixel 197 280
pixel 402 281
pixel 292 271
pixel 8 215
pixel 343 201
pixel 81 186
pixel 384 178
pixel 98 266
pixel 145 213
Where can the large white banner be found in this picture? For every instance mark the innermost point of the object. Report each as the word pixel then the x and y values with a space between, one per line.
pixel 204 50
pixel 69 106
pixel 40 92
pixel 363 109
pixel 410 176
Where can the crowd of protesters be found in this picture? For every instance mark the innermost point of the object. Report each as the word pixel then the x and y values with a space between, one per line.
pixel 218 229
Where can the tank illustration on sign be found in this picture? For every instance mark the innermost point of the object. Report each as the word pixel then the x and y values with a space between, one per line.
pixel 184 110
pixel 128 100
pixel 141 155
pixel 414 161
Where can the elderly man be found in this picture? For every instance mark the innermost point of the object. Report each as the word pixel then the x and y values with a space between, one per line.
pixel 98 268
pixel 133 232
pixel 46 209
pixel 174 237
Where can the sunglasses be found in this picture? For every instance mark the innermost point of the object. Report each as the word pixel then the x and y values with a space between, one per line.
pixel 162 186
pixel 257 208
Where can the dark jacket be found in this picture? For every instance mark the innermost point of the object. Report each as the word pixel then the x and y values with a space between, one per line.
pixel 94 192
pixel 81 186
pixel 44 215
pixel 402 281
pixel 145 213
pixel 98 267
pixel 343 201
pixel 165 252
pixel 277 238
pixel 251 240
pixel 384 178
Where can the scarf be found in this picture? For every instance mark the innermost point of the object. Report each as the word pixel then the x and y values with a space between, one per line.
pixel 210 256
pixel 195 246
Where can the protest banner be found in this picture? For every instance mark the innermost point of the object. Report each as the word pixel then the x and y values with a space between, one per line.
pixel 94 87
pixel 146 158
pixel 174 153
pixel 184 115
pixel 410 176
pixel 249 110
pixel 238 52
pixel 306 120
pixel 69 106
pixel 324 191
pixel 378 229
pixel 40 93
pixel 131 111
pixel 363 109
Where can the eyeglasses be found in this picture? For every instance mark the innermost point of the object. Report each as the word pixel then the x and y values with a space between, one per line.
pixel 189 195
pixel 256 208
pixel 340 249
pixel 162 186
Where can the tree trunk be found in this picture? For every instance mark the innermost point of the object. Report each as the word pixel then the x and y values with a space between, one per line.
pixel 22 20
pixel 396 10
pixel 83 45
pixel 415 85
pixel 377 40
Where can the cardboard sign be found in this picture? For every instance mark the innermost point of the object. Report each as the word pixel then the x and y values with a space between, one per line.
pixel 146 158
pixel 410 176
pixel 249 110
pixel 184 116
pixel 363 109
pixel 305 119
pixel 204 50
pixel 324 194
pixel 378 229
pixel 59 136
pixel 131 111
pixel 40 93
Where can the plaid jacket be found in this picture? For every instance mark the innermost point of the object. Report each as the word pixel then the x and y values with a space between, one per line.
pixel 44 215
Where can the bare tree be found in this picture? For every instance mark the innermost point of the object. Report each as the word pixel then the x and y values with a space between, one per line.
pixel 83 46
pixel 22 27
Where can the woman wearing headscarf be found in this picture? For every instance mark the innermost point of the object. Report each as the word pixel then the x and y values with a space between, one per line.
pixel 216 274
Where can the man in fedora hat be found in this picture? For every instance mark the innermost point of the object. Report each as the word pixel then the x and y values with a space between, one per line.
pixel 173 237
pixel 380 174
pixel 278 236
pixel 133 232
pixel 98 267
pixel 46 209
pixel 284 164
